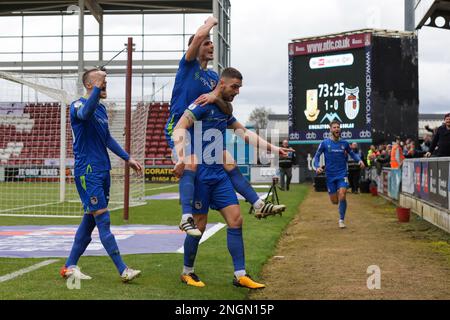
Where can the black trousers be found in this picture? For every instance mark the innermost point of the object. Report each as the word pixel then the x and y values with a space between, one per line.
pixel 285 178
pixel 353 178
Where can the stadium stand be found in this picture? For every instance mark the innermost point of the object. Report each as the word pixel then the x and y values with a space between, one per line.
pixel 157 152
pixel 34 135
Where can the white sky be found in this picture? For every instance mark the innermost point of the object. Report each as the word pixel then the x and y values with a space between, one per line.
pixel 260 33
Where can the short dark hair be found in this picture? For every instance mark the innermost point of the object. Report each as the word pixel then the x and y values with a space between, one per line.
pixel 86 75
pixel 446 116
pixel 231 73
pixel 191 38
pixel 335 122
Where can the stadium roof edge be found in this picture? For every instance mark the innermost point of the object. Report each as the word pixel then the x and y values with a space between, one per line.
pixel 378 32
pixel 426 12
pixel 431 116
pixel 58 7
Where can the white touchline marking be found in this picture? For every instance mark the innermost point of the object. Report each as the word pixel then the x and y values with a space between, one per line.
pixel 208 233
pixel 20 272
pixel 260 186
pixel 161 188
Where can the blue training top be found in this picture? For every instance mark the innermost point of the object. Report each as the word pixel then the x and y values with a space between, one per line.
pixel 191 82
pixel 335 157
pixel 212 136
pixel 91 136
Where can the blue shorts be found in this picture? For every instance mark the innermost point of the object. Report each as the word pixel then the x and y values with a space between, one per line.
pixel 213 189
pixel 334 184
pixel 93 189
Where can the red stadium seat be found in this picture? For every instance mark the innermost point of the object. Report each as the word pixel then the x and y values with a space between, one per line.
pixel 157 138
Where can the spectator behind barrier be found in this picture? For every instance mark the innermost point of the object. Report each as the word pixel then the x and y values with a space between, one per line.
pixel 382 161
pixel 397 155
pixel 440 146
pixel 426 145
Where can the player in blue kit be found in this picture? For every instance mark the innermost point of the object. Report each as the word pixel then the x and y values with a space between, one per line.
pixel 91 139
pixel 195 81
pixel 336 153
pixel 213 188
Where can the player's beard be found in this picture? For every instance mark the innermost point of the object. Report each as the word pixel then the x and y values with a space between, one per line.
pixel 227 97
pixel 336 135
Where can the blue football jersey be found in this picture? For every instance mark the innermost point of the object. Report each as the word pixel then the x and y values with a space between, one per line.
pixel 191 81
pixel 212 134
pixel 336 157
pixel 91 136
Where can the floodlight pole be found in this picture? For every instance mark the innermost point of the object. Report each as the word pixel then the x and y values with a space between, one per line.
pixel 126 201
pixel 80 87
pixel 410 24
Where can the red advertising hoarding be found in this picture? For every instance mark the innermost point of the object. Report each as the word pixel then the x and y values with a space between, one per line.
pixel 317 46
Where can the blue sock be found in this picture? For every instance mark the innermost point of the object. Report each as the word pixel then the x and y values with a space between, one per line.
pixel 190 250
pixel 103 222
pixel 235 244
pixel 82 239
pixel 342 208
pixel 242 186
pixel 187 191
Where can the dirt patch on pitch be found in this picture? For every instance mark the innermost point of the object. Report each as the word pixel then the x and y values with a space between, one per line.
pixel 316 260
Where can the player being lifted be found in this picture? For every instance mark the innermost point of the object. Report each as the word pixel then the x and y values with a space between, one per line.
pixel 336 153
pixel 213 186
pixel 194 81
pixel 91 139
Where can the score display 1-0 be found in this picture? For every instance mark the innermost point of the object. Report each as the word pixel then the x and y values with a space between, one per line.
pixel 333 90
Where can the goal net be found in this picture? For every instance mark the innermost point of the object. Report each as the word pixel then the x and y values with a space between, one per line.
pixel 36 154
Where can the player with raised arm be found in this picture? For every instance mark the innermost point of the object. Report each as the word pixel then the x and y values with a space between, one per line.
pixel 195 81
pixel 91 139
pixel 336 153
pixel 213 188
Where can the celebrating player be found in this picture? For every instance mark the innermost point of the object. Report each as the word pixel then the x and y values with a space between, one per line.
pixel 336 153
pixel 91 139
pixel 195 81
pixel 213 187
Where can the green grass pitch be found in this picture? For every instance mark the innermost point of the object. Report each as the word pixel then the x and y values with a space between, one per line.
pixel 160 277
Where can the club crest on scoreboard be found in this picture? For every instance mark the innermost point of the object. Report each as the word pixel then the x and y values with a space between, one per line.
pixel 312 111
pixel 352 103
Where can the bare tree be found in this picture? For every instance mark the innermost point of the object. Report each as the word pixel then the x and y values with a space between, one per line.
pixel 259 117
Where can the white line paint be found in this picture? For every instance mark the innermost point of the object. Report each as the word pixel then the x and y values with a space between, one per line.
pixel 38 216
pixel 208 233
pixel 261 186
pixel 30 206
pixel 161 188
pixel 20 272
